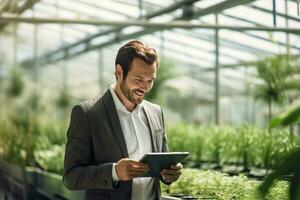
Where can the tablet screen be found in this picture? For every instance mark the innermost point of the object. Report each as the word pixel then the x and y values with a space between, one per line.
pixel 159 161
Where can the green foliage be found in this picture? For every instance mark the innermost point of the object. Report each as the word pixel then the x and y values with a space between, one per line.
pixel 51 158
pixel 277 74
pixel 18 138
pixel 29 140
pixel 34 101
pixel 185 138
pixel 289 116
pixel 289 166
pixel 167 70
pixel 11 143
pixel 16 85
pixel 64 99
pixel 279 78
pixel 216 185
pixel 245 145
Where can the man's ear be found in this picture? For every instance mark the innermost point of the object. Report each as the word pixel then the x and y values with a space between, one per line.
pixel 118 72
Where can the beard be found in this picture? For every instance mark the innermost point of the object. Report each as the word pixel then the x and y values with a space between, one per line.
pixel 132 95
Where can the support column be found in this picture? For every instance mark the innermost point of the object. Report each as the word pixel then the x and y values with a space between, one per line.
pixel 100 68
pixel 274 13
pixel 140 8
pixel 217 84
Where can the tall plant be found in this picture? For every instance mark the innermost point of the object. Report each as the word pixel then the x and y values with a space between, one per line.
pixel 290 165
pixel 279 77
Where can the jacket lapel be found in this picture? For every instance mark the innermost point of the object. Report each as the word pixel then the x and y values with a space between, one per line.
pixel 111 111
pixel 150 125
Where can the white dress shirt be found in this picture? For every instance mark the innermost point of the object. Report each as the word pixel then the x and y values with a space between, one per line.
pixel 138 142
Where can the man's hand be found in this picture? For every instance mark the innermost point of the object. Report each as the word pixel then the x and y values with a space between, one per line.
pixel 128 169
pixel 172 174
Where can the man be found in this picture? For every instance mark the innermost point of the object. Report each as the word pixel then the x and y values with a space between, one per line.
pixel 108 135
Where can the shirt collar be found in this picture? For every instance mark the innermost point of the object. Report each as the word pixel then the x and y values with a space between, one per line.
pixel 119 105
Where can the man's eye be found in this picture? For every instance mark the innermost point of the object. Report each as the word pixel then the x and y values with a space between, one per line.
pixel 139 80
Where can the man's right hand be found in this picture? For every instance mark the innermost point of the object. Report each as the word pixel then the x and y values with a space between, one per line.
pixel 128 169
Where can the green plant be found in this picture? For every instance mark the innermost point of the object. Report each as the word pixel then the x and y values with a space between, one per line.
pixel 215 144
pixel 278 77
pixel 16 86
pixel 167 70
pixel 185 137
pixel 34 101
pixel 245 145
pixel 216 185
pixel 11 144
pixel 30 140
pixel 51 159
pixel 246 140
pixel 290 166
pixel 64 99
pixel 289 115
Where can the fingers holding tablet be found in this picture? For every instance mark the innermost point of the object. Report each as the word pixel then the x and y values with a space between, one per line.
pixel 172 174
pixel 128 169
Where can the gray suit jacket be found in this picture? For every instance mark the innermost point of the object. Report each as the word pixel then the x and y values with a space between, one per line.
pixel 95 141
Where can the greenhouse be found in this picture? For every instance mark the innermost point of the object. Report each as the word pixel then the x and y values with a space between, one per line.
pixel 77 76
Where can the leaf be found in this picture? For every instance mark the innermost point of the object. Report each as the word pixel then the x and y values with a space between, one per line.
pixel 290 115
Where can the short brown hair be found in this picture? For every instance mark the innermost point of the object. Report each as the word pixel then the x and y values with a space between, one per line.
pixel 135 49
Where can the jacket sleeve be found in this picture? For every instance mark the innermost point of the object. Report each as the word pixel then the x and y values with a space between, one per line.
pixel 79 172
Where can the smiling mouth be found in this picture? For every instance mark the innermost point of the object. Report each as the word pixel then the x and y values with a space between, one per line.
pixel 139 93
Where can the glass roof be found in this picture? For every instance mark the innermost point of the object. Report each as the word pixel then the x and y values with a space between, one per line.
pixel 192 49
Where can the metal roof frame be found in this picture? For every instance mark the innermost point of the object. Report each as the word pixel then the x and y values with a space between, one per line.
pixel 19 10
pixel 48 58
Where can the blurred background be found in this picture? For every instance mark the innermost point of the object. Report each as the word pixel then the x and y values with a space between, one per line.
pixel 229 82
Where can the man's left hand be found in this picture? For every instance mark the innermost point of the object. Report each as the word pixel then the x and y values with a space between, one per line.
pixel 172 174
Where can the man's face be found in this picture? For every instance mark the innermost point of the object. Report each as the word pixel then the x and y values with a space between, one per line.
pixel 138 81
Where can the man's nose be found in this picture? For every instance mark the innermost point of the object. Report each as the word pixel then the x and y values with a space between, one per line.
pixel 146 86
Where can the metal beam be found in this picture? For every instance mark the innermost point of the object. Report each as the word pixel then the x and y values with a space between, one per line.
pixel 170 8
pixel 106 32
pixel 219 7
pixel 145 24
pixel 225 54
pixel 256 36
pixel 82 12
pixel 215 8
pixel 277 13
pixel 253 35
pixel 3 6
pixel 248 63
pixel 246 33
pixel 28 4
pixel 230 43
pixel 86 41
